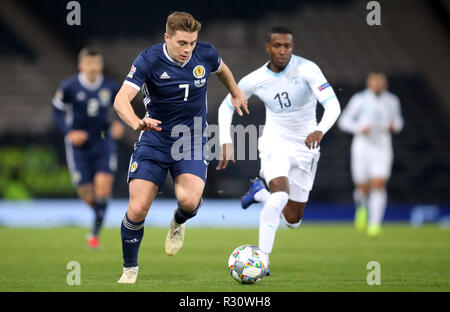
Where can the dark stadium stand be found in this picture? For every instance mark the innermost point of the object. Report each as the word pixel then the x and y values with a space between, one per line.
pixel 414 55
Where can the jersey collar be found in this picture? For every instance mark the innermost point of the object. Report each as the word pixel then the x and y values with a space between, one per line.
pixel 172 60
pixel 269 71
pixel 88 85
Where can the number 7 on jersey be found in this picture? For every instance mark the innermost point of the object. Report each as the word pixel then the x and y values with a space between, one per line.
pixel 186 91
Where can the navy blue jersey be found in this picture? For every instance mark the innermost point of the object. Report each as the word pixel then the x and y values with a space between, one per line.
pixel 174 93
pixel 86 106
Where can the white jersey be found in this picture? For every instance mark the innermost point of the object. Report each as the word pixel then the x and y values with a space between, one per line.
pixel 290 98
pixel 377 112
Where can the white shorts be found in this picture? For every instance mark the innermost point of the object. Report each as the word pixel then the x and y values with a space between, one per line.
pixel 369 162
pixel 281 159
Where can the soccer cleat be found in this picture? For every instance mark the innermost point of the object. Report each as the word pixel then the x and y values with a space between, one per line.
pixel 93 241
pixel 175 237
pixel 374 230
pixel 129 275
pixel 249 197
pixel 360 219
pixel 268 271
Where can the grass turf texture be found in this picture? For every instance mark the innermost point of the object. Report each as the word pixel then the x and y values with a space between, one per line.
pixel 315 257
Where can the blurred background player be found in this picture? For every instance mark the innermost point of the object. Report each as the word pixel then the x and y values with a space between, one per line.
pixel 290 87
pixel 173 77
pixel 81 110
pixel 371 115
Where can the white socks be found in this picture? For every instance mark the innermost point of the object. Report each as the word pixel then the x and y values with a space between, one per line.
pixel 290 225
pixel 360 198
pixel 269 219
pixel 262 195
pixel 377 206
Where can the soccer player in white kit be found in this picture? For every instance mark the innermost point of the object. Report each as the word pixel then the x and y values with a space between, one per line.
pixel 290 87
pixel 371 115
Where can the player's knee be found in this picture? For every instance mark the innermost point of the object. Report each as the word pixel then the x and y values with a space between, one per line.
pixel 89 200
pixel 137 211
pixel 188 204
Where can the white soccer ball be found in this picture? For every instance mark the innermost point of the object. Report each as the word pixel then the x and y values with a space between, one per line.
pixel 247 264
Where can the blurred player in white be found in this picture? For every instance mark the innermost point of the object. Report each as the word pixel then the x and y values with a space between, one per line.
pixel 290 87
pixel 371 115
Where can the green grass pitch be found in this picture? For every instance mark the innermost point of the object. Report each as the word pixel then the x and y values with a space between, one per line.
pixel 315 257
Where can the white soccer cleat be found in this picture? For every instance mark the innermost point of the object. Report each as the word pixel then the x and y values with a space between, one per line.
pixel 129 275
pixel 175 237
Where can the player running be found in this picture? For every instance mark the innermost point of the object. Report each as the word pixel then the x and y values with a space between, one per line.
pixel 290 87
pixel 371 115
pixel 173 77
pixel 81 111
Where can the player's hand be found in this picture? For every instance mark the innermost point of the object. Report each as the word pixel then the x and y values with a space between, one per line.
pixel 313 139
pixel 226 154
pixel 365 130
pixel 147 124
pixel 240 101
pixel 77 137
pixel 117 130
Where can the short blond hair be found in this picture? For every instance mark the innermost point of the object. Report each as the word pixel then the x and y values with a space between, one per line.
pixel 182 21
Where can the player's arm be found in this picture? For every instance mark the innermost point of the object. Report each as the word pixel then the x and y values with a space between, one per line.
pixel 123 107
pixel 238 98
pixel 349 120
pixel 76 137
pixel 326 97
pixel 397 122
pixel 226 112
pixel 131 86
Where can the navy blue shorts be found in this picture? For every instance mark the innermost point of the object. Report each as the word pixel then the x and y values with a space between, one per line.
pixel 92 157
pixel 147 163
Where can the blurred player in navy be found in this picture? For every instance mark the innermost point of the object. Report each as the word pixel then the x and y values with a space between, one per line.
pixel 81 110
pixel 173 78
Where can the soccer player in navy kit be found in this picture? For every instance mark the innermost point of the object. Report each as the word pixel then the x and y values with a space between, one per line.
pixel 173 79
pixel 81 109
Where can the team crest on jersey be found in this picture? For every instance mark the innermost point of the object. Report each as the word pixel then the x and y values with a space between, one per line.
pixel 81 96
pixel 199 71
pixel 105 96
pixel 134 166
pixel 132 71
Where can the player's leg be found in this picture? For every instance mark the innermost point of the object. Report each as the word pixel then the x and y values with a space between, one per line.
pixel 359 165
pixel 145 177
pixel 188 191
pixel 142 193
pixel 360 198
pixel 103 162
pixel 257 193
pixel 379 174
pixel 269 218
pixel 102 188
pixel 377 205
pixel 292 214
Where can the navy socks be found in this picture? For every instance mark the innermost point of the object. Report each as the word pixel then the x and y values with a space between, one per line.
pixel 132 233
pixel 99 210
pixel 181 216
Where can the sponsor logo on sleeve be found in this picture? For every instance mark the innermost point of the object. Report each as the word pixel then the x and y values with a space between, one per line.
pixel 132 71
pixel 324 86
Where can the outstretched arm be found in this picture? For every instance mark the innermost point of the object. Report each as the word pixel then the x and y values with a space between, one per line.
pixel 238 98
pixel 123 107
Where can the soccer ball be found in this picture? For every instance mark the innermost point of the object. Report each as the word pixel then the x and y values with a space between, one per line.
pixel 247 264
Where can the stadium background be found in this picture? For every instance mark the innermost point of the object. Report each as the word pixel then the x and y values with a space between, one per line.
pixel 38 49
